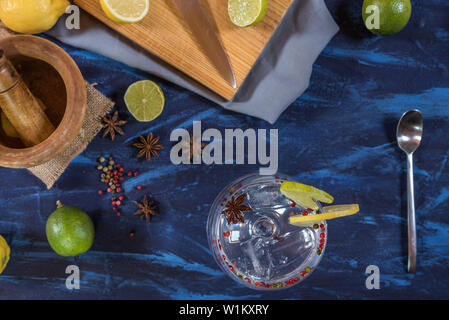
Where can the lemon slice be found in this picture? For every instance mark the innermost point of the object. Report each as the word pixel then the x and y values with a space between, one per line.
pixel 125 11
pixel 145 100
pixel 329 212
pixel 4 254
pixel 245 13
pixel 302 194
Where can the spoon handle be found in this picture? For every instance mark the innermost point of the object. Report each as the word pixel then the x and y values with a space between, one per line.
pixel 411 216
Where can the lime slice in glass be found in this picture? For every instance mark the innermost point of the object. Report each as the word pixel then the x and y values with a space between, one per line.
pixel 302 194
pixel 145 100
pixel 245 13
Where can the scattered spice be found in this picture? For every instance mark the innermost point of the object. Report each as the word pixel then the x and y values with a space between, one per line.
pixel 112 174
pixel 233 209
pixel 277 238
pixel 148 146
pixel 146 209
pixel 112 125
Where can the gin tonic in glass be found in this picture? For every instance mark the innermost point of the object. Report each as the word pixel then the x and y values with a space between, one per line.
pixel 251 239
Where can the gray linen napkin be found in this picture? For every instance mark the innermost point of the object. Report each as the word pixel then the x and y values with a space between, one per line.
pixel 280 75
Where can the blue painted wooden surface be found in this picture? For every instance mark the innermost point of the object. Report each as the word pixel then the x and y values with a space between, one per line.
pixel 340 136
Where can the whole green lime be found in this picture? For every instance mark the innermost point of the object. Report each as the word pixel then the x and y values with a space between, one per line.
pixel 70 231
pixel 386 17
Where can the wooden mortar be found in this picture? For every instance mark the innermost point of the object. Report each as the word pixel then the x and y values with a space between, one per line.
pixel 54 78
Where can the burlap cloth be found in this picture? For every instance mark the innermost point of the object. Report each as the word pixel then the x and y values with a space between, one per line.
pixel 97 106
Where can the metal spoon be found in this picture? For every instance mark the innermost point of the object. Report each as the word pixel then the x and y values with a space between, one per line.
pixel 409 134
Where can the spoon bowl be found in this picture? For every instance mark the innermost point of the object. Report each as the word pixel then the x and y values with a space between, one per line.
pixel 409 131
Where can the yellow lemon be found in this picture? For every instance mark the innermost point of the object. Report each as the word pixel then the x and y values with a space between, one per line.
pixel 4 254
pixel 31 16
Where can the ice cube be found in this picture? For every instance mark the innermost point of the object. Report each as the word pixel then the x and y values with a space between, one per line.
pixel 250 251
pixel 266 196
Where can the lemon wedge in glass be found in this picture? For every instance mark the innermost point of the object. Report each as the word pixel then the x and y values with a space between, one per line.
pixel 305 195
pixel 125 11
pixel 329 212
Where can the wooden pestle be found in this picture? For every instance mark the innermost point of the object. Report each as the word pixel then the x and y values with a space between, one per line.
pixel 21 107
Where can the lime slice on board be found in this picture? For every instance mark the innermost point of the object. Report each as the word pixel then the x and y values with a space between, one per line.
pixel 329 212
pixel 125 11
pixel 302 194
pixel 145 100
pixel 245 13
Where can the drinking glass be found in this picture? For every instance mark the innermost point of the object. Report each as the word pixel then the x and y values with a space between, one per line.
pixel 264 251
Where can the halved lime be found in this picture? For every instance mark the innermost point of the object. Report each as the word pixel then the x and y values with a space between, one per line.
pixel 302 194
pixel 145 100
pixel 245 13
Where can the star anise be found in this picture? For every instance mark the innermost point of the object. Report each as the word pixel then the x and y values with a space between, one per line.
pixel 112 125
pixel 189 145
pixel 146 209
pixel 148 146
pixel 233 209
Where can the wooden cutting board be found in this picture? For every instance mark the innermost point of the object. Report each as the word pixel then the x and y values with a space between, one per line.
pixel 164 33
